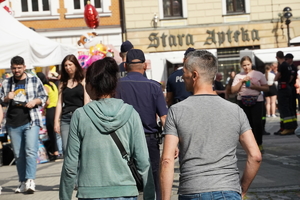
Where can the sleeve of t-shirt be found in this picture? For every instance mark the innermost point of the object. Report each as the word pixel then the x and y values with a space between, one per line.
pixel 244 122
pixel 161 105
pixel 170 126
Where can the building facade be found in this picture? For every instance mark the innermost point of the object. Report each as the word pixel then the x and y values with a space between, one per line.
pixel 163 27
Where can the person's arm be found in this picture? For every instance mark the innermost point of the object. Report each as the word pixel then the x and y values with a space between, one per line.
pixel 87 98
pixel 48 101
pixel 58 110
pixel 237 87
pixel 163 120
pixel 277 76
pixel 264 88
pixel 41 96
pixel 254 159
pixel 169 98
pixel 167 166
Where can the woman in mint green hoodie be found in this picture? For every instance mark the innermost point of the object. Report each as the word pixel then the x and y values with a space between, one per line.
pixel 103 173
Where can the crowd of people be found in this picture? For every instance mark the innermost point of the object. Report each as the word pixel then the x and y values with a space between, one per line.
pixel 90 109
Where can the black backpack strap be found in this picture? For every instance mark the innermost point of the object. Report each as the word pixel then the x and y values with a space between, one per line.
pixel 119 145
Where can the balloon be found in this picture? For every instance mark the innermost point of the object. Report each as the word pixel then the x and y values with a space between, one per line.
pixel 97 49
pixel 95 58
pixel 83 60
pixel 91 16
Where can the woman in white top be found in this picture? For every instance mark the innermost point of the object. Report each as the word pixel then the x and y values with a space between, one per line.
pixel 271 95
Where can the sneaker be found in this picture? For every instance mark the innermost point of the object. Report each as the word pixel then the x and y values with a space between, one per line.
pixel 273 115
pixel 287 132
pixel 21 188
pixel 268 115
pixel 30 186
pixel 261 148
pixel 278 132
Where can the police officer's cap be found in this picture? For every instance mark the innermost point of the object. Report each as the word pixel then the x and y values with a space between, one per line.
pixel 135 54
pixel 289 55
pixel 190 49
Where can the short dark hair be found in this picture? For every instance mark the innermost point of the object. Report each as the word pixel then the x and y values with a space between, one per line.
pixel 280 54
pixel 17 60
pixel 102 76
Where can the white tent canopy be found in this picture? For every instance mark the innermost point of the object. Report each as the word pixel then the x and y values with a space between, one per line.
pixel 269 55
pixel 37 50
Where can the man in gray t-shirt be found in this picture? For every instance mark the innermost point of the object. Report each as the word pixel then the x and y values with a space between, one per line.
pixel 207 129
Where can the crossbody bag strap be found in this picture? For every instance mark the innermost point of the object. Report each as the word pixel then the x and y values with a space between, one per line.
pixel 119 145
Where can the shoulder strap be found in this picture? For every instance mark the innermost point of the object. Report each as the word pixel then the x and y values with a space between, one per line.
pixel 119 145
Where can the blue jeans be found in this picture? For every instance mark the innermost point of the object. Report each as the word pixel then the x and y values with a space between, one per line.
pixel 218 195
pixel 117 198
pixel 59 143
pixel 24 140
pixel 64 130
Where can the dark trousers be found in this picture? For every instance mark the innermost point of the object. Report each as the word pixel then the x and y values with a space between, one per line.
pixel 154 153
pixel 254 114
pixel 52 147
pixel 293 101
pixel 287 116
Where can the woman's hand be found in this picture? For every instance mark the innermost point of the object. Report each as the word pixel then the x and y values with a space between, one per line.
pixel 247 78
pixel 57 127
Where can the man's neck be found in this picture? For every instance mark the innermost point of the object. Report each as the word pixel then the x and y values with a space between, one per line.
pixel 204 89
pixel 280 61
pixel 139 71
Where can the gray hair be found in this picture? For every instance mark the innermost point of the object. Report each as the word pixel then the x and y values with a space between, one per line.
pixel 204 62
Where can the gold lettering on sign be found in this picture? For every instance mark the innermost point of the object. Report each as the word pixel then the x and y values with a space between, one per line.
pixel 244 34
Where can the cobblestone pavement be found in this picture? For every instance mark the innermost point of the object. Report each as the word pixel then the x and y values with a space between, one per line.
pixel 277 179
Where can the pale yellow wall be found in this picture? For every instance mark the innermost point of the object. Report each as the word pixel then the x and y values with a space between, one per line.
pixel 139 13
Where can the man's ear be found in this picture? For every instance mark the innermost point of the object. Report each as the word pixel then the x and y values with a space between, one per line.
pixel 145 66
pixel 195 75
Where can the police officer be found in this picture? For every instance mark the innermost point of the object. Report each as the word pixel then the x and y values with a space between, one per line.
pixel 289 59
pixel 175 85
pixel 126 46
pixel 284 78
pixel 147 98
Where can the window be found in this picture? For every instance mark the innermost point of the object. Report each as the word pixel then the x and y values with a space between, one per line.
pixel 34 5
pixel 235 6
pixel 75 8
pixel 172 8
pixel 95 3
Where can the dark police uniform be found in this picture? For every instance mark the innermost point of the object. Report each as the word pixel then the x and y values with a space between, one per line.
pixel 284 96
pixel 175 84
pixel 147 98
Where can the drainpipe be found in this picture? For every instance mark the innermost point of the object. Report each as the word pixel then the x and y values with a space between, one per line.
pixel 123 20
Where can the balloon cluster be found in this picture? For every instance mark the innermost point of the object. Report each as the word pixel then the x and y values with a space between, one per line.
pixel 97 52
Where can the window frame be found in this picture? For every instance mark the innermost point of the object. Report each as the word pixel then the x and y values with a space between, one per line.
pixel 52 13
pixel 78 13
pixel 247 8
pixel 183 11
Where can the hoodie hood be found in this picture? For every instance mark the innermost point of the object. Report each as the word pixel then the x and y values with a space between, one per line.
pixel 108 114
